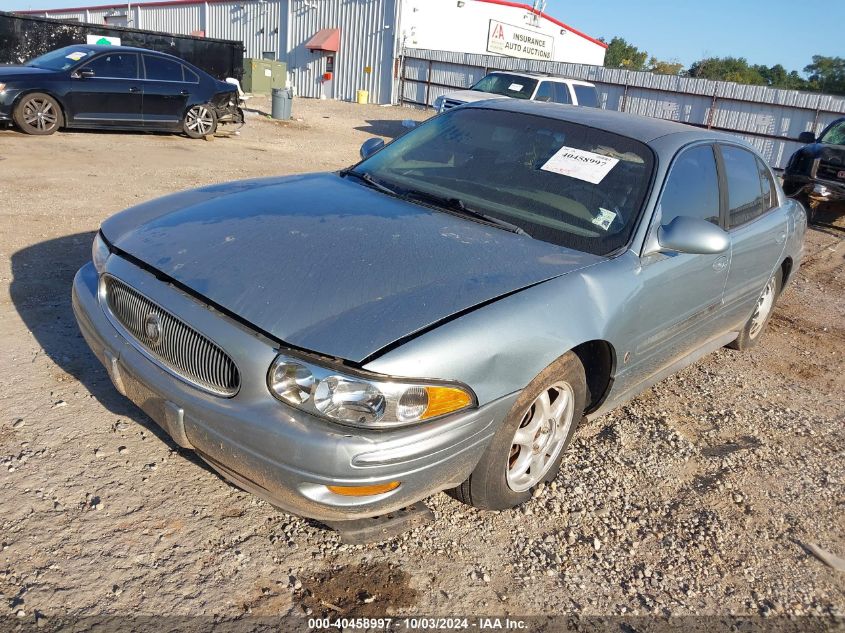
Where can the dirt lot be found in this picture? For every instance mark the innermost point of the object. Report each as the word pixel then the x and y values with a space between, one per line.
pixel 697 498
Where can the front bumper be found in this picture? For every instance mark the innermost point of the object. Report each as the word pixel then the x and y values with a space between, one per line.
pixel 7 101
pixel 818 189
pixel 279 453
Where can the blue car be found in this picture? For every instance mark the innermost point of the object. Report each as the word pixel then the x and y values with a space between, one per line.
pixel 442 315
pixel 115 87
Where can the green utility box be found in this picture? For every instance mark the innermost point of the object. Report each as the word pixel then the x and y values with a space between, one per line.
pixel 262 75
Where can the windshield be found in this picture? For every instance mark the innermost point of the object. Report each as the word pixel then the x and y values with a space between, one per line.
pixel 507 85
pixel 560 182
pixel 61 59
pixel 834 135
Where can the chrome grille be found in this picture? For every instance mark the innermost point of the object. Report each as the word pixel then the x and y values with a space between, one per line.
pixel 828 171
pixel 168 340
pixel 448 104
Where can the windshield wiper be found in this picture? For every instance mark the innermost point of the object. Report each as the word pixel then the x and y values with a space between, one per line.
pixel 367 179
pixel 456 205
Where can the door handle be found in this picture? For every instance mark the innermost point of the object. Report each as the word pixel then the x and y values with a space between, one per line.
pixel 184 92
pixel 720 264
pixel 780 239
pixel 134 89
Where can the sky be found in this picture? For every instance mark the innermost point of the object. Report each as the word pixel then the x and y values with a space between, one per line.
pixel 763 31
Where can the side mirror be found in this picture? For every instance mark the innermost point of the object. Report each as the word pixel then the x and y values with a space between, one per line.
pixel 371 146
pixel 808 138
pixel 694 236
pixel 85 73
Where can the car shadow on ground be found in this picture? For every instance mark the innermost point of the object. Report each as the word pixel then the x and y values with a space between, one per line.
pixel 387 128
pixel 42 275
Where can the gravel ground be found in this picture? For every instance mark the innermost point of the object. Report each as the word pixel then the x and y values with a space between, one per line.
pixel 700 497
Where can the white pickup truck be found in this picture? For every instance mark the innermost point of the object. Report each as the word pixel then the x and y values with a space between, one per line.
pixel 516 85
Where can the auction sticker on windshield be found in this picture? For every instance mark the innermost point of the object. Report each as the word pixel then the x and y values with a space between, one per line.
pixel 578 163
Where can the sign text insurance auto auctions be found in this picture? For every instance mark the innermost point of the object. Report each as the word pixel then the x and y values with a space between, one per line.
pixel 505 39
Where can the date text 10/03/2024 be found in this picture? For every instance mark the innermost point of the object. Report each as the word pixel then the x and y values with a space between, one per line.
pixel 419 624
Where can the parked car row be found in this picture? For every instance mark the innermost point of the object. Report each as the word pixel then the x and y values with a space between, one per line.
pixel 115 87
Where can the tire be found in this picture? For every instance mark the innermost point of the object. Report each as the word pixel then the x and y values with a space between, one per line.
pixel 39 114
pixel 199 121
pixel 495 483
pixel 752 331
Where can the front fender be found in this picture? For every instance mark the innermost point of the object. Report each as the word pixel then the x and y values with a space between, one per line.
pixel 499 348
pixel 58 92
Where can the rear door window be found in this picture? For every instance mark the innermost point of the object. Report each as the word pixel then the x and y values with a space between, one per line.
pixel 692 188
pixel 190 75
pixel 114 66
pixel 746 200
pixel 162 69
pixel 586 96
pixel 562 93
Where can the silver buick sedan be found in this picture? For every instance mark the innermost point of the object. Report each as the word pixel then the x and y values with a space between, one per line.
pixel 442 315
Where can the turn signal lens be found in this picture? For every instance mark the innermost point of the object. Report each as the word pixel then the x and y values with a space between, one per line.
pixel 364 491
pixel 443 400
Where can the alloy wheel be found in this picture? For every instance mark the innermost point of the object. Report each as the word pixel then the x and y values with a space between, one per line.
pixel 541 436
pixel 762 310
pixel 40 114
pixel 200 120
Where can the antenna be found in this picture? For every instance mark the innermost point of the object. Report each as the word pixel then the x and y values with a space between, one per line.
pixel 537 8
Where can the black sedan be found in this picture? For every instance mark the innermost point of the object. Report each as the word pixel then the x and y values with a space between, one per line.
pixel 115 87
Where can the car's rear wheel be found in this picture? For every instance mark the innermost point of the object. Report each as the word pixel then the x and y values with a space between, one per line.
pixel 39 114
pixel 753 329
pixel 200 121
pixel 528 447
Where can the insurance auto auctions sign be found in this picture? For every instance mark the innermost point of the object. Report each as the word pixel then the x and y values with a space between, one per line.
pixel 513 41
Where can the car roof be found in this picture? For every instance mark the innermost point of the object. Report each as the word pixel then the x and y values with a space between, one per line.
pixel 641 128
pixel 99 48
pixel 538 75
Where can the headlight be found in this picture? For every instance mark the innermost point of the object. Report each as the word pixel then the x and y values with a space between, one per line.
pixel 362 399
pixel 99 253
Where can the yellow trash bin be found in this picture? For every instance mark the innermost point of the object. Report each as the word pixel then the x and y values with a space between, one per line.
pixel 363 96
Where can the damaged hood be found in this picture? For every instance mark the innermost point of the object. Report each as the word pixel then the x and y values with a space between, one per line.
pixel 326 264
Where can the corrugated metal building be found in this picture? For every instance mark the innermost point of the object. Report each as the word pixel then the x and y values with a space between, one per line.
pixel 333 48
pixel 769 118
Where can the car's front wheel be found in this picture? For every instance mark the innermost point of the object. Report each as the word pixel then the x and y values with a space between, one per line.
pixel 200 121
pixel 39 114
pixel 528 447
pixel 750 334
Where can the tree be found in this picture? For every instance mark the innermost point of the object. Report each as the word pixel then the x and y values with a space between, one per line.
pixel 621 54
pixel 665 68
pixel 827 74
pixel 727 69
pixel 777 77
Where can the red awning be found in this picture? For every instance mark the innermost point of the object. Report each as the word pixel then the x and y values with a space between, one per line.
pixel 324 40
